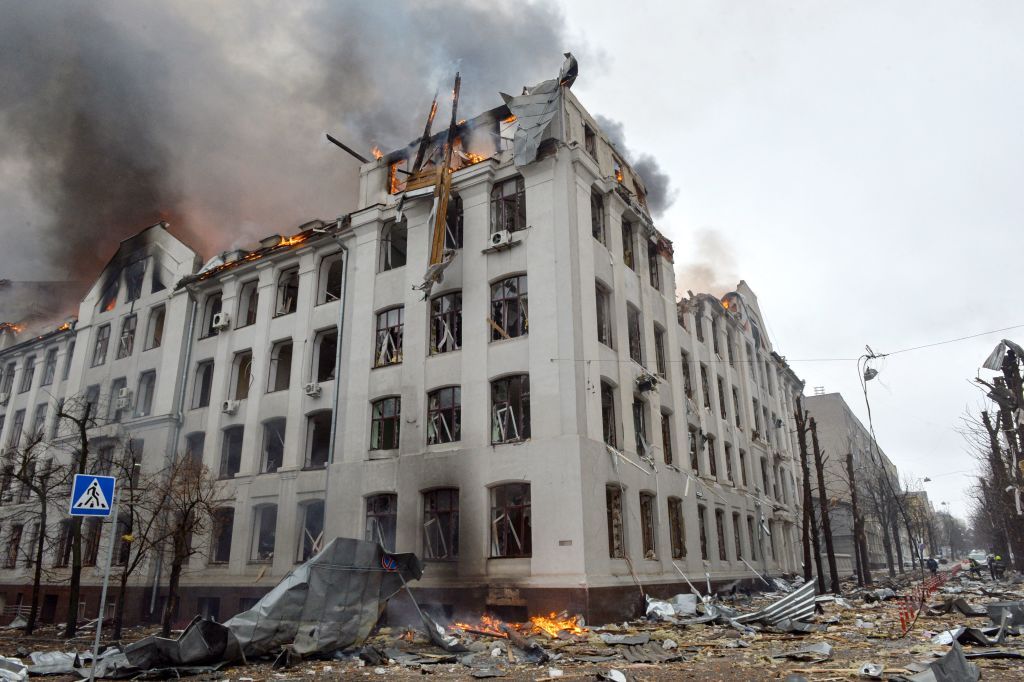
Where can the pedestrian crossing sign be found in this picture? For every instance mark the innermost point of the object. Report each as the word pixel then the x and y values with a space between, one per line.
pixel 92 495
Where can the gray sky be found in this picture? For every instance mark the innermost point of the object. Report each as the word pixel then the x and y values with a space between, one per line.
pixel 859 164
pixel 856 162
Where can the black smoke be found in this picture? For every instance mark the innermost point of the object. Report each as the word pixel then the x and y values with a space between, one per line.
pixel 210 115
pixel 660 194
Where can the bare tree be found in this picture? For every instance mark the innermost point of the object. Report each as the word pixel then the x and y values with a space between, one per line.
pixel 823 504
pixel 193 494
pixel 41 482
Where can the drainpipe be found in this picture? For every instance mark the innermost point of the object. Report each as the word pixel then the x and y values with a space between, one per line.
pixel 178 420
pixel 337 362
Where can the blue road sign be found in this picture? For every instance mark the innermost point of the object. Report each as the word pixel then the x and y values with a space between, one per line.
pixel 92 495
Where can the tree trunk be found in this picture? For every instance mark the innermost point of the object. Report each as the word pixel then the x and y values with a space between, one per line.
pixel 801 434
pixel 826 522
pixel 122 589
pixel 887 546
pixel 894 528
pixel 172 589
pixel 74 591
pixel 37 573
pixel 858 525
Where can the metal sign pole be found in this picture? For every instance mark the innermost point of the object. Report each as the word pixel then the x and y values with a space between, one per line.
pixel 103 592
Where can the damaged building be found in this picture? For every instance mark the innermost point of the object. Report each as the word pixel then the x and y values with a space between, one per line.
pixel 484 363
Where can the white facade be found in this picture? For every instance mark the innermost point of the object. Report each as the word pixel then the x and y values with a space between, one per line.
pixel 559 505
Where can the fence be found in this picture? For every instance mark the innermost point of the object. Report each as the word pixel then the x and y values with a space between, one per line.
pixel 910 605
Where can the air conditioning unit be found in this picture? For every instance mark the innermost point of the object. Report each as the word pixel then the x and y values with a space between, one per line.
pixel 124 398
pixel 501 239
pixel 313 390
pixel 4 397
pixel 221 321
pixel 229 406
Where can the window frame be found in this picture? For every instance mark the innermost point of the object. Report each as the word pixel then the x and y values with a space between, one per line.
pixel 628 244
pixel 274 373
pixel 391 248
pixel 228 459
pixel 383 513
pixel 49 366
pixel 313 420
pixel 677 527
pixel 257 555
pixel 325 291
pixel 202 384
pixel 155 322
pixel 449 416
pixel 516 404
pixel 634 328
pixel 508 208
pixel 379 420
pixel 519 529
pixel 126 340
pixel 309 546
pixel 248 304
pixel 510 308
pixel 389 330
pixel 615 516
pixel 605 320
pixel 446 322
pixel 441 508
pixel 272 452
pixel 649 525
pixel 287 290
pixel 101 344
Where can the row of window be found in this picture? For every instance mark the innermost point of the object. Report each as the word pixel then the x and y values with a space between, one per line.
pixel 325 345
pixel 316 450
pixel 599 228
pixel 126 340
pixel 509 319
pixel 29 371
pixel 616 515
pixel 121 401
pixel 133 274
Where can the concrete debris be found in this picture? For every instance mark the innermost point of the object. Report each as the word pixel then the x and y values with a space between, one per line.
pixel 871 671
pixel 613 675
pixel 12 669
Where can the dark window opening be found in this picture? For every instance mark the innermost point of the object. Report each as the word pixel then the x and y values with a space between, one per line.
pixel 273 445
pixel 441 524
pixel 444 415
pixel 312 538
pixel 287 292
pixel 511 524
pixel 616 526
pixel 510 316
pixel 231 452
pixel 318 447
pixel 386 424
pixel 510 409
pixel 508 206
pixel 382 519
pixel 394 239
pixel 446 323
pixel 390 332
pixel 677 527
pixel 608 423
pixel 647 526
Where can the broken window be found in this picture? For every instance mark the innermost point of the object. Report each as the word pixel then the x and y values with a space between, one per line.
pixel 444 415
pixel 220 535
pixel 28 375
pixel 705 386
pixel 616 526
pixel 7 484
pixel 144 399
pixel 597 219
pixel 627 244
pixel 441 524
pixel 736 407
pixel 446 322
pixel 736 535
pixel 654 266
pixel 126 344
pixel 311 539
pixel 13 542
pixel 617 169
pixel 390 327
pixel 666 436
pixel 659 351
pixel 117 404
pixel 590 141
pixel 743 468
pixel 508 205
pixel 510 409
pixel 155 328
pixel 92 399
pixel 608 423
pixel 605 333
pixel 248 304
pixel 64 535
pixel 676 528
pixel 382 519
pixel 211 309
pixel 757 418
pixel 39 422
pixel 694 449
pixel 509 308
pixel 698 325
pixel 287 292
pixel 720 382
pixel 123 550
pixel 394 237
pixel 728 464
pixel 729 347
pixel 99 351
pixel 104 460
pixel 8 378
pixel 109 297
pixel 49 367
pixel 203 384
pixel 273 445
pixel 67 362
pixel 752 536
pixel 635 340
pixel 720 532
pixel 194 445
pixel 318 439
pixel 647 526
pixel 134 274
pixel 453 223
pixel 231 452
pixel 264 532
pixel 280 366
pixel 511 526
pixel 714 336
pixel 324 352
pixel 385 425
pixel 91 541
pixel 764 476
pixel 241 374
pixel 712 457
pixel 687 378
pixel 330 281
pixel 769 425
pixel 640 427
pixel 702 522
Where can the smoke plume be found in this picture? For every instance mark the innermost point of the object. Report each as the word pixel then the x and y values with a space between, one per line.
pixel 116 114
pixel 713 268
pixel 660 194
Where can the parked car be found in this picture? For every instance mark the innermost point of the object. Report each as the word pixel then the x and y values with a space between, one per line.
pixel 979 556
